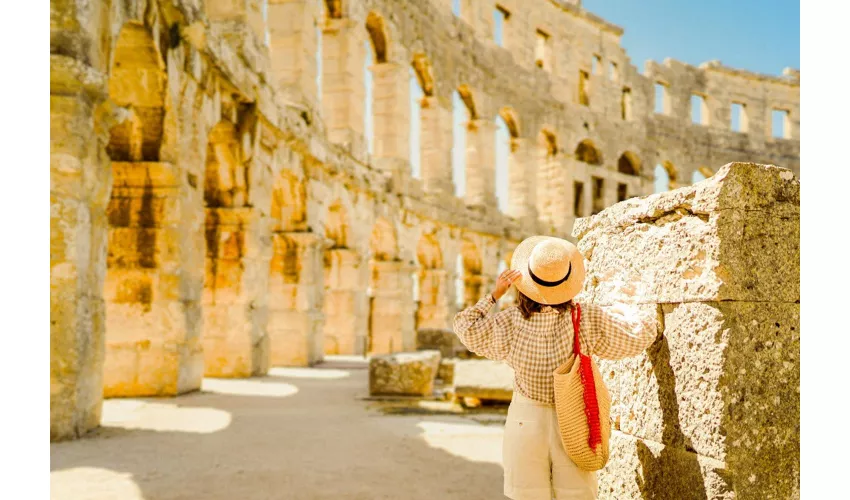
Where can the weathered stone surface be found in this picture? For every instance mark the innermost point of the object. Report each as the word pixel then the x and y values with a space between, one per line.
pixel 446 372
pixel 702 387
pixel 646 469
pixel 483 379
pixel 723 382
pixel 406 373
pixel 718 240
pixel 442 340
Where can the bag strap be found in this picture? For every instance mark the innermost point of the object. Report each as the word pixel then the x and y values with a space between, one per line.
pixel 576 315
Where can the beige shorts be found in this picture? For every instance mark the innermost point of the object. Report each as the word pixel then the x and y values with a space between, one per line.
pixel 536 465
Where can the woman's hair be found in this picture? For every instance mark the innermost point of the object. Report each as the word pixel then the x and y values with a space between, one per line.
pixel 527 306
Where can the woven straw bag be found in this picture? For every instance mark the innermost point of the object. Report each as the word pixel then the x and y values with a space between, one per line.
pixel 583 406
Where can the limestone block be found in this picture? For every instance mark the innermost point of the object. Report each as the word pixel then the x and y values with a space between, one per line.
pixel 407 373
pixel 446 372
pixel 703 387
pixel 734 236
pixel 646 469
pixel 483 379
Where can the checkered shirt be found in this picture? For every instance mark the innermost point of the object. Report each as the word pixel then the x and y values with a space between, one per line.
pixel 535 347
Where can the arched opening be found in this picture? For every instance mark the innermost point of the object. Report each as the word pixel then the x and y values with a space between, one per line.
pixel 433 310
pixel 333 9
pixel 549 179
pixel 390 300
pixel 665 177
pixel 377 36
pixel 464 139
pixel 587 152
pixel 143 210
pixel 507 134
pixel 701 174
pixel 376 48
pixel 345 292
pixel 290 274
pixel 628 164
pixel 421 87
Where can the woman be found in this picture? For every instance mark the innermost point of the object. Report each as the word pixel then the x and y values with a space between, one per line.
pixel 534 337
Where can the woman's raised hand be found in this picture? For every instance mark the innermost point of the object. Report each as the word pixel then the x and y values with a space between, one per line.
pixel 504 281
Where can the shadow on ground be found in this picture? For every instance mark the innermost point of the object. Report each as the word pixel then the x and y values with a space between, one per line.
pixel 300 435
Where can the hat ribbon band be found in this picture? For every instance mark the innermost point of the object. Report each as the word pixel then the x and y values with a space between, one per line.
pixel 550 283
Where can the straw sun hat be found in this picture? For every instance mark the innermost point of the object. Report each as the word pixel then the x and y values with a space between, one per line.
pixel 552 269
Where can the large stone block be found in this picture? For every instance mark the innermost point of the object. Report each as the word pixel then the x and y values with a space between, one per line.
pixel 722 382
pixel 406 373
pixel 735 236
pixel 483 379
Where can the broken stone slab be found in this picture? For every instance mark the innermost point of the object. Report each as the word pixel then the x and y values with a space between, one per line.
pixel 483 379
pixel 404 373
pixel 735 236
pixel 646 469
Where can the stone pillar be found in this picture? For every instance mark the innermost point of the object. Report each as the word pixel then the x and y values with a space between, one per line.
pixel 293 46
pixel 435 308
pixel 296 298
pixel 481 163
pixel 152 343
pixel 345 306
pixel 342 81
pixel 521 171
pixel 436 148
pixel 712 409
pixel 234 334
pixel 391 320
pixel 80 183
pixel 392 111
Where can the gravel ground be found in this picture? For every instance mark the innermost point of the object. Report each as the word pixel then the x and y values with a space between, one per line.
pixel 295 434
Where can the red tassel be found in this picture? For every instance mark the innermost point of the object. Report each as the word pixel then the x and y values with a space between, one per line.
pixel 591 404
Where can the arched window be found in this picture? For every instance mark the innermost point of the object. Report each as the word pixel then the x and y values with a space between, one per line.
pixel 416 95
pixel 460 119
pixel 665 177
pixel 503 152
pixel 588 153
pixel 628 163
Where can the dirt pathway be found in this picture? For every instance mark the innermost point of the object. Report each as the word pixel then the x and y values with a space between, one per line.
pixel 295 434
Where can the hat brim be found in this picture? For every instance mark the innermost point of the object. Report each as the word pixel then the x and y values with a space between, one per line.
pixel 544 294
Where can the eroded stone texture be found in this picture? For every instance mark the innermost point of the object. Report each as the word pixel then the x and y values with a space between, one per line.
pixel 721 260
pixel 483 379
pixel 406 373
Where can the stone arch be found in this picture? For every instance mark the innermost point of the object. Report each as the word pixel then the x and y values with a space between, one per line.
pixel 628 163
pixel 289 203
pixel 547 142
pixel 466 96
pixel 511 120
pixel 383 244
pixel 137 81
pixel 587 152
pixel 424 73
pixel 667 170
pixel 226 178
pixel 707 172
pixel 378 37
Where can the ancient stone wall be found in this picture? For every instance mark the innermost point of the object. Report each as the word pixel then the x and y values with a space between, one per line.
pixel 712 409
pixel 217 205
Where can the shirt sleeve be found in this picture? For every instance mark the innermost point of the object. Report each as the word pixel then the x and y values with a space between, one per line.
pixel 485 334
pixel 617 332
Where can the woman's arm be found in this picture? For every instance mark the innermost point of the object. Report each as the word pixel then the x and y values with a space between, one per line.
pixel 619 331
pixel 485 334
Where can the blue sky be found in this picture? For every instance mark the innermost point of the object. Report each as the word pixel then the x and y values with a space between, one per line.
pixel 758 35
